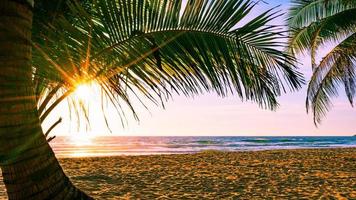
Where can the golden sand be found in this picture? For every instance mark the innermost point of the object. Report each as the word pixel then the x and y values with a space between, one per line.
pixel 277 174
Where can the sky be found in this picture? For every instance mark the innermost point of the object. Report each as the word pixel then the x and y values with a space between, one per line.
pixel 209 114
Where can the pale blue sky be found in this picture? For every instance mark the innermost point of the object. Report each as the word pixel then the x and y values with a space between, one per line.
pixel 212 115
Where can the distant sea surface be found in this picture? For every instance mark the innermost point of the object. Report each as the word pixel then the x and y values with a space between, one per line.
pixel 113 146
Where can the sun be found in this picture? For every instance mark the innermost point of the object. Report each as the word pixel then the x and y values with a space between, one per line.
pixel 82 91
pixel 85 91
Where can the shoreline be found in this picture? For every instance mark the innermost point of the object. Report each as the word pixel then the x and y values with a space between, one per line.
pixel 327 173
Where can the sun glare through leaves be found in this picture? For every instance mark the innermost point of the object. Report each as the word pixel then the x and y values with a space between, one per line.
pixel 86 91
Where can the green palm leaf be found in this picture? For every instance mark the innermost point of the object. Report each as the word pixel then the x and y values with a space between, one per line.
pixel 305 12
pixel 322 32
pixel 335 69
pixel 315 24
pixel 150 47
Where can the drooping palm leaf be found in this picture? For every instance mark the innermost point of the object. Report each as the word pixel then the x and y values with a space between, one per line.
pixel 150 47
pixel 336 68
pixel 317 23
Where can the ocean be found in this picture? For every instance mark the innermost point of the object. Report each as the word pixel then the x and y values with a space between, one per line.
pixel 113 146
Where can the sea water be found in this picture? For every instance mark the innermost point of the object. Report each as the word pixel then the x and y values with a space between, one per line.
pixel 113 146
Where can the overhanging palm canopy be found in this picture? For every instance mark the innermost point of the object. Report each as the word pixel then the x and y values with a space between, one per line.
pixel 318 23
pixel 156 47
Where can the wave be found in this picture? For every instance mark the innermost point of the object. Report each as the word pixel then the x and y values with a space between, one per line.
pixel 258 140
pixel 207 142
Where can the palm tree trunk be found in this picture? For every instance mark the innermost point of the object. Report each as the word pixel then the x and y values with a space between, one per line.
pixel 29 167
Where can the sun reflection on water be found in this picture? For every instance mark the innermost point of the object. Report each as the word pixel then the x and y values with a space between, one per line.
pixel 81 142
pixel 82 139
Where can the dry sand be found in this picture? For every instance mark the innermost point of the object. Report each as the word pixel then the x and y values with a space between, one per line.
pixel 277 174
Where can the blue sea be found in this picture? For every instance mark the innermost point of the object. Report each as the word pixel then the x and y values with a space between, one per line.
pixel 113 146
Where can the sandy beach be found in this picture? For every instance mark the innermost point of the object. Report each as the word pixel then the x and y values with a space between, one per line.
pixel 275 174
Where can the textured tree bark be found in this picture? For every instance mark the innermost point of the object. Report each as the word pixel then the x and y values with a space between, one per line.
pixel 29 167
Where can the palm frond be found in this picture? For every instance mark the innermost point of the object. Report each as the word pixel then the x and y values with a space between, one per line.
pixel 305 12
pixel 152 48
pixel 315 24
pixel 329 29
pixel 336 68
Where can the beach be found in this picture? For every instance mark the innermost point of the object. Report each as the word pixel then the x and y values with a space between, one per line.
pixel 273 174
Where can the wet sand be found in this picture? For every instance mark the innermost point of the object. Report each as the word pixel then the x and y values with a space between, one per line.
pixel 276 174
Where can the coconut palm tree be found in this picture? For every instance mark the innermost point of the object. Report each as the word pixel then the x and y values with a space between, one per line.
pixel 151 48
pixel 29 167
pixel 316 24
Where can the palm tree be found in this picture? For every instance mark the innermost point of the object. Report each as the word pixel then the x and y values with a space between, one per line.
pixel 29 167
pixel 134 47
pixel 321 23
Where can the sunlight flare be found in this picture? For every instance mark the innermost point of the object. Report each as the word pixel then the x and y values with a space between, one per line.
pixel 82 92
pixel 85 91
